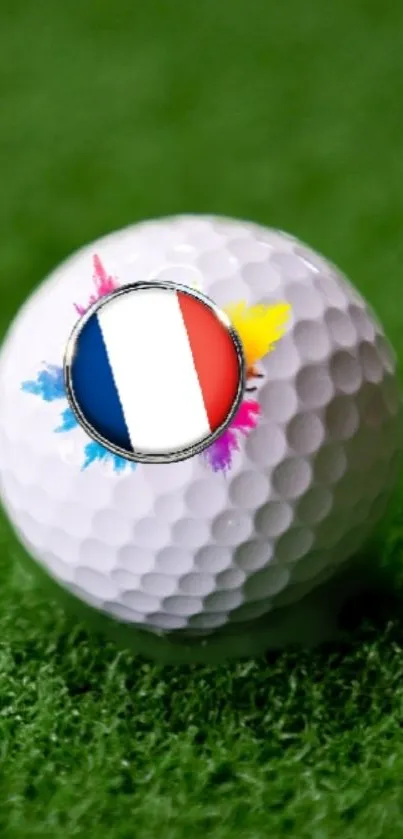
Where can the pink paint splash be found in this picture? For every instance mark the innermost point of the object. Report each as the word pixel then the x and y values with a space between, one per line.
pixel 104 284
pixel 219 454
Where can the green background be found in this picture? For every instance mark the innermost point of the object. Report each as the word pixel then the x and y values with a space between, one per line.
pixel 289 114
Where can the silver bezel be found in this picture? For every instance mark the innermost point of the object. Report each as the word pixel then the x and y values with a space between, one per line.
pixel 155 457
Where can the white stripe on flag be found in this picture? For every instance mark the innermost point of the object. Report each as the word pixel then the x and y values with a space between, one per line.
pixel 152 363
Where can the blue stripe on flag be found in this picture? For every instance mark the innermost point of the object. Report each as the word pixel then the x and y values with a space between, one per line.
pixel 94 386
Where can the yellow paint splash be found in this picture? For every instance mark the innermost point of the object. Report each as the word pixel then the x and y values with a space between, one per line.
pixel 259 327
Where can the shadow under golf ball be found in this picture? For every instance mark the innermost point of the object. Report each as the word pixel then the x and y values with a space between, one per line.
pixel 332 613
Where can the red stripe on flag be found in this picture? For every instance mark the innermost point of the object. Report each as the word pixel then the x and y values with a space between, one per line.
pixel 214 357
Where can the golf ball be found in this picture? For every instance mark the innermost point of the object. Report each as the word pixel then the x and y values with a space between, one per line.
pixel 203 553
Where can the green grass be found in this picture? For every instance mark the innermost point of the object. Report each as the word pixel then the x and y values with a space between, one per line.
pixel 289 114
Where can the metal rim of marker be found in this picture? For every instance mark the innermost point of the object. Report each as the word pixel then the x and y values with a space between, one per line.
pixel 141 456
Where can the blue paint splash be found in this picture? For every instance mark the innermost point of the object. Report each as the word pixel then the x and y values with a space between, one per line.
pixel 69 421
pixel 95 453
pixel 49 386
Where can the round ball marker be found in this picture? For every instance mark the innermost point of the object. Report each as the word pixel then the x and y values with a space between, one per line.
pixel 154 372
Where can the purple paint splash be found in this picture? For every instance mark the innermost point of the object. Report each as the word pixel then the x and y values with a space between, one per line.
pixel 219 454
pixel 104 284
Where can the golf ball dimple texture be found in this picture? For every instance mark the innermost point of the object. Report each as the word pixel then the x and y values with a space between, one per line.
pixel 178 548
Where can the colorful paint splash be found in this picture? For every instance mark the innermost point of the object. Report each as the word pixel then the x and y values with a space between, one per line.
pixel 219 455
pixel 103 282
pixel 259 328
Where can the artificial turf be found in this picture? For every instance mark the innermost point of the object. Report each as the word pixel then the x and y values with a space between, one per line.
pixel 289 114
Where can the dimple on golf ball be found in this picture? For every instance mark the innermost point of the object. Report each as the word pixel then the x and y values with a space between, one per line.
pixel 200 552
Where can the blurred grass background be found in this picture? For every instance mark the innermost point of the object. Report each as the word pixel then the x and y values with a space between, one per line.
pixel 291 115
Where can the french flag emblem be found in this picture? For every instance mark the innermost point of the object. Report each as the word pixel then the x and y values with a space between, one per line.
pixel 154 372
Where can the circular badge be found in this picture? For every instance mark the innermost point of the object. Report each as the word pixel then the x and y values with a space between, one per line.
pixel 154 372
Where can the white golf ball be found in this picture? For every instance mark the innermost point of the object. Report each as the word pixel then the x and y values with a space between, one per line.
pixel 200 555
